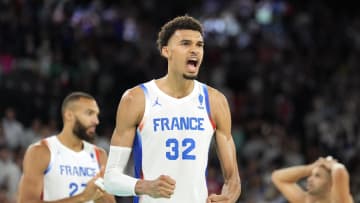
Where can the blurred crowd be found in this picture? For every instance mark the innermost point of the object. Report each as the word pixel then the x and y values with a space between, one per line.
pixel 290 70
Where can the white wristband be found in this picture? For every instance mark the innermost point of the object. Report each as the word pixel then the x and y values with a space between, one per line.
pixel 115 181
pixel 100 183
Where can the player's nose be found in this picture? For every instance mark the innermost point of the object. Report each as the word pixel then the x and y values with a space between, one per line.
pixel 195 50
pixel 96 120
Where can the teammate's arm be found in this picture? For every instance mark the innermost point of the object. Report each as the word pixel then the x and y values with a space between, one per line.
pixel 36 161
pixel 129 114
pixel 225 146
pixel 107 198
pixel 286 181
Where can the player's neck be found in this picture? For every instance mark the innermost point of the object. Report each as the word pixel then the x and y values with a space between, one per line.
pixel 68 139
pixel 324 198
pixel 175 87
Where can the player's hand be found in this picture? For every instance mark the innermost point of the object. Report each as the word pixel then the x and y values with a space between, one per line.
pixel 319 162
pixel 329 162
pixel 217 198
pixel 163 186
pixel 99 180
pixel 93 191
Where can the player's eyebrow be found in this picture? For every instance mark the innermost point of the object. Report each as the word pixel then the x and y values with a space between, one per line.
pixel 185 40
pixel 200 42
pixel 92 111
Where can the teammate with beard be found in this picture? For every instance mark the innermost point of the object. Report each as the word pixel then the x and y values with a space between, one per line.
pixel 63 168
pixel 169 123
pixel 327 182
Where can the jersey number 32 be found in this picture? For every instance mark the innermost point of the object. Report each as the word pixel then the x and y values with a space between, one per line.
pixel 187 146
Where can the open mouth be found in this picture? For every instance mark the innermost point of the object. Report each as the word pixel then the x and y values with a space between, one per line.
pixel 192 62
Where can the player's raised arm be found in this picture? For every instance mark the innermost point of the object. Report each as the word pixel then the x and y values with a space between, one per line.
pixel 341 183
pixel 340 189
pixel 327 181
pixel 286 180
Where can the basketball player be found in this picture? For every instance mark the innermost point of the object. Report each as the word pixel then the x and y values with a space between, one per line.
pixel 63 168
pixel 327 182
pixel 168 124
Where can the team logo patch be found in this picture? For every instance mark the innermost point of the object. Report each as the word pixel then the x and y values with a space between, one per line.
pixel 201 101
pixel 156 103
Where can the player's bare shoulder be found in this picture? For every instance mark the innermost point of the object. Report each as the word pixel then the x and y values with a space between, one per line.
pixel 37 154
pixel 133 96
pixel 39 148
pixel 215 94
pixel 132 103
pixel 217 99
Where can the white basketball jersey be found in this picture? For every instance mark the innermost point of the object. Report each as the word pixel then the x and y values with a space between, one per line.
pixel 173 139
pixel 68 171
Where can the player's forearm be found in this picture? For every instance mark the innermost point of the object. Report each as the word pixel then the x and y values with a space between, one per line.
pixel 291 174
pixel 339 173
pixel 232 188
pixel 115 181
pixel 338 168
pixel 119 184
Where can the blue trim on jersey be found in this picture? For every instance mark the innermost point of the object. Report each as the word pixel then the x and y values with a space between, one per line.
pixel 137 148
pixel 146 92
pixel 207 103
pixel 48 168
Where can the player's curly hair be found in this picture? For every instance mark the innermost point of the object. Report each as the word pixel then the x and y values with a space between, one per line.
pixel 179 23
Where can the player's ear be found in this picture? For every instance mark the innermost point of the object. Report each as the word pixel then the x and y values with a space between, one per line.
pixel 68 115
pixel 165 51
